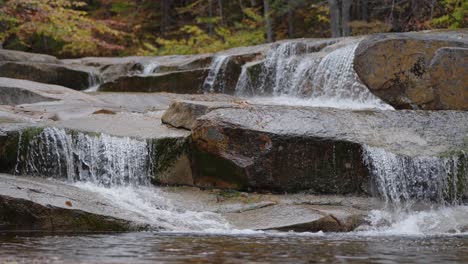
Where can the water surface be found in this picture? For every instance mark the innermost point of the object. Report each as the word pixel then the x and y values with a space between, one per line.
pixel 152 247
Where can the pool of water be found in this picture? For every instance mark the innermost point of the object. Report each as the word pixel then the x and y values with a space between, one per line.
pixel 255 247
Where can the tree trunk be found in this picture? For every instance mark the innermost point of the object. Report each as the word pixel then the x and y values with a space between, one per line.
pixel 221 13
pixel 165 16
pixel 365 10
pixel 345 13
pixel 210 15
pixel 334 18
pixel 268 23
pixel 290 19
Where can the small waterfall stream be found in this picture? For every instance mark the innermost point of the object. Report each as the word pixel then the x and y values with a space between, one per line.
pixel 150 68
pixel 423 195
pixel 117 168
pixel 216 75
pixel 292 70
pixel 94 81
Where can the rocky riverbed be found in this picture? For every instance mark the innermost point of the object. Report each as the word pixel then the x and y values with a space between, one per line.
pixel 303 135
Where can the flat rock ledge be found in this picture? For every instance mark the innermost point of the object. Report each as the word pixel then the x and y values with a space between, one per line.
pixel 323 150
pixel 36 204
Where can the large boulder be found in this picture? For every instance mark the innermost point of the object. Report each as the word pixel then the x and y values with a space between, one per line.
pixel 282 148
pixel 449 78
pixel 47 73
pixel 398 69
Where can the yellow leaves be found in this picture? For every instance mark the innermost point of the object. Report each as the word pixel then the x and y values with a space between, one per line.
pixel 57 20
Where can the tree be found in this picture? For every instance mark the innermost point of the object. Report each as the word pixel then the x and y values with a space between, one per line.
pixel 334 18
pixel 268 23
pixel 345 17
pixel 58 24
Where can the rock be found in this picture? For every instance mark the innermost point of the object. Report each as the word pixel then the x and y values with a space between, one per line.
pixel 47 73
pixel 320 150
pixel 298 218
pixel 164 151
pixel 16 92
pixel 145 102
pixel 183 114
pixel 28 203
pixel 188 82
pixel 397 68
pixel 19 56
pixel 449 78
pixel 41 205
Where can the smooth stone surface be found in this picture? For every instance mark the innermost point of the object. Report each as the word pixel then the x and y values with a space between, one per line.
pixel 44 205
pixel 183 114
pixel 319 149
pixel 397 68
pixel 20 56
pixel 449 78
pixel 16 92
pixel 57 74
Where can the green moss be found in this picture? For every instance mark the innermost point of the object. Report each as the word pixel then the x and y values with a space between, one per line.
pixel 165 152
pixel 213 171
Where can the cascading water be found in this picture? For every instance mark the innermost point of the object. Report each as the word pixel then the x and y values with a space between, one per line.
pixel 216 75
pixel 403 179
pixel 150 68
pixel 292 70
pixel 117 168
pixel 94 81
pixel 423 195
pixel 99 159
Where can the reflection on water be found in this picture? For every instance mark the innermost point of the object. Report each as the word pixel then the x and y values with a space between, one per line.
pixel 258 247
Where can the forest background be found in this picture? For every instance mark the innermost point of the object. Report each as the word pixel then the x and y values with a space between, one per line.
pixel 77 28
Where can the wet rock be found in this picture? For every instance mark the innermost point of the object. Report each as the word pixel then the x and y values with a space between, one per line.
pixel 298 218
pixel 397 68
pixel 41 205
pixel 449 78
pixel 183 114
pixel 187 82
pixel 320 149
pixel 19 56
pixel 16 92
pixel 46 73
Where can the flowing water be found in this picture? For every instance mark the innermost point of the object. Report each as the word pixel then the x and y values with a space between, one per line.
pixel 293 74
pixel 424 221
pixel 94 81
pixel 215 81
pixel 147 247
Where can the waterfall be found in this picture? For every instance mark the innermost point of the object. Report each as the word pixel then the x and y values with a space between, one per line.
pixel 403 180
pixel 150 68
pixel 291 70
pixel 117 168
pixel 216 75
pixel 94 81
pixel 100 159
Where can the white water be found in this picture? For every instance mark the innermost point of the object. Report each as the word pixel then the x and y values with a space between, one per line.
pixel 100 159
pixel 215 81
pixel 148 205
pixel 289 71
pixel 118 169
pixel 430 222
pixel 150 68
pixel 94 82
pixel 401 179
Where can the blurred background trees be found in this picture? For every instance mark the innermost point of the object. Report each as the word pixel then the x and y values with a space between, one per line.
pixel 72 28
